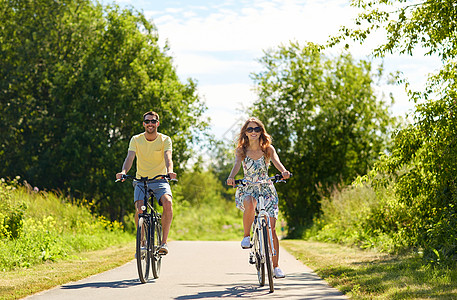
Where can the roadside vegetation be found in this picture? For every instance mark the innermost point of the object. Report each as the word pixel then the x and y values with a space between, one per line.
pixel 368 274
pixel 37 227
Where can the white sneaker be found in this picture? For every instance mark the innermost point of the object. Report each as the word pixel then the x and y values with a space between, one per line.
pixel 246 242
pixel 279 273
pixel 143 250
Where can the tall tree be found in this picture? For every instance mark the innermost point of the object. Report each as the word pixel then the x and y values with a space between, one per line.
pixel 326 122
pixel 423 157
pixel 76 78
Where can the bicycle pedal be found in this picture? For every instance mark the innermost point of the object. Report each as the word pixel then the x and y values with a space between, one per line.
pixel 251 259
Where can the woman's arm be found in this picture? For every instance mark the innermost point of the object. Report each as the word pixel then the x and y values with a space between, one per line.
pixel 277 162
pixel 235 169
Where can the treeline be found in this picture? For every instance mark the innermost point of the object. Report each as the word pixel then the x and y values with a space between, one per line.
pixel 412 198
pixel 76 77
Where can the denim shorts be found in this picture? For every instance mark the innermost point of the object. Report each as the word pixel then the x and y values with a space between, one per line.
pixel 158 187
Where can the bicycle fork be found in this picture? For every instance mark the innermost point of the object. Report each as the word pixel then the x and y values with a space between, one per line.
pixel 266 218
pixel 270 234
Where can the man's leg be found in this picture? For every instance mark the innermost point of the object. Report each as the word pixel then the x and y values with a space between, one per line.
pixel 138 210
pixel 167 216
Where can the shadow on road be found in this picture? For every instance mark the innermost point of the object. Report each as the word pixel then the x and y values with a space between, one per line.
pixel 229 292
pixel 121 284
pixel 294 286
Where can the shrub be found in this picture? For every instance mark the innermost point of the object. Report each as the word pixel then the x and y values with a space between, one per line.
pixel 48 228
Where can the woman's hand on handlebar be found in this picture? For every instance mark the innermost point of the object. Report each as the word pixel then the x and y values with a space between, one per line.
pixel 231 181
pixel 286 174
pixel 172 175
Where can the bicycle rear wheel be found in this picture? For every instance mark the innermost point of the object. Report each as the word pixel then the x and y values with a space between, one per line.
pixel 259 265
pixel 142 244
pixel 156 243
pixel 266 243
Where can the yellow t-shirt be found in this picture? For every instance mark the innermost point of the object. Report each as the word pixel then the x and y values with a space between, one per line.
pixel 150 160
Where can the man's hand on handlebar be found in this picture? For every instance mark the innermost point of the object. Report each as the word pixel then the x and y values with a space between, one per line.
pixel 119 176
pixel 172 175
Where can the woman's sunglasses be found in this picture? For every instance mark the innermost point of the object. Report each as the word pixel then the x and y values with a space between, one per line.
pixel 153 121
pixel 251 129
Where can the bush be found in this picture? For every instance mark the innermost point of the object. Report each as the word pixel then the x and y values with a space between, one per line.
pixel 362 216
pixel 11 215
pixel 48 228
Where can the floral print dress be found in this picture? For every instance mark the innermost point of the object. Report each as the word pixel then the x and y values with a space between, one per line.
pixel 255 170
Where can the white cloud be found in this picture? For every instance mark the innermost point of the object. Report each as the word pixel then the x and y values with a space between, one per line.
pixel 225 105
pixel 192 64
pixel 260 25
pixel 220 43
pixel 234 96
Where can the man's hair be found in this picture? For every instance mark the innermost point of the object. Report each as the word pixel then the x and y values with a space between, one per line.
pixel 151 113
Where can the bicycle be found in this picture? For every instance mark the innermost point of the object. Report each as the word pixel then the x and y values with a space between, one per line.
pixel 148 233
pixel 262 237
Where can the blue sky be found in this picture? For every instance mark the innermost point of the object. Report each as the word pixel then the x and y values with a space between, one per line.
pixel 218 43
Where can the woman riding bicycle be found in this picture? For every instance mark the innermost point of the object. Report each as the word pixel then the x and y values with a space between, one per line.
pixel 254 152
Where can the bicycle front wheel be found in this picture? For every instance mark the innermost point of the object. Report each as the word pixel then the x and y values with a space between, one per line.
pixel 156 243
pixel 266 243
pixel 259 265
pixel 142 244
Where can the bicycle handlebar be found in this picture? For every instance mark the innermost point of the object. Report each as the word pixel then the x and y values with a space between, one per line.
pixel 145 179
pixel 274 179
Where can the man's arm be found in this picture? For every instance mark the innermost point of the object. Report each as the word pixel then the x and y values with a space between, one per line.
pixel 128 162
pixel 169 164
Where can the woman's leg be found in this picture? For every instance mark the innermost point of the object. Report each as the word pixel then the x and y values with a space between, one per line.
pixel 248 214
pixel 275 242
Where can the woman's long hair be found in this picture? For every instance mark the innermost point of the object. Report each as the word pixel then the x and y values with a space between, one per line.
pixel 264 139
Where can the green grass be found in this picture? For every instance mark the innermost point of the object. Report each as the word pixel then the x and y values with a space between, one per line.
pixel 366 274
pixel 21 282
pixel 38 227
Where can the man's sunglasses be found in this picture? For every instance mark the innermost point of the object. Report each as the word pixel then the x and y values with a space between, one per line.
pixel 251 129
pixel 153 121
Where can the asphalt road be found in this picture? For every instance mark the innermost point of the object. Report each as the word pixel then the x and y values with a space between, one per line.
pixel 198 270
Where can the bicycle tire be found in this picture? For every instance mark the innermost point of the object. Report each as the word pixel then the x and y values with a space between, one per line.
pixel 143 256
pixel 266 242
pixel 156 243
pixel 259 265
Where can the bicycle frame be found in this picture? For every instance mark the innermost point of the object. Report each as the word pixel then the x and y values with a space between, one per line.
pixel 149 231
pixel 261 222
pixel 262 215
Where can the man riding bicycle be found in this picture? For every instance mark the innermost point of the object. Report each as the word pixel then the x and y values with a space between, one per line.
pixel 153 151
